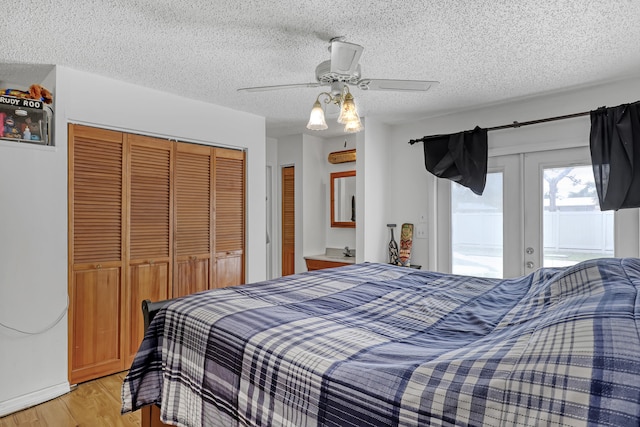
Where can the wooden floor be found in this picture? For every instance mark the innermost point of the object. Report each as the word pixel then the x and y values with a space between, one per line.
pixel 94 403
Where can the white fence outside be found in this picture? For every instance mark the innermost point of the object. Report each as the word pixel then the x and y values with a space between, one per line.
pixel 582 231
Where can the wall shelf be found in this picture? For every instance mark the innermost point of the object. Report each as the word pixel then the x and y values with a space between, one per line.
pixel 25 121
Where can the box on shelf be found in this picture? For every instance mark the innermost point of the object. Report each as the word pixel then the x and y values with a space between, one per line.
pixel 25 120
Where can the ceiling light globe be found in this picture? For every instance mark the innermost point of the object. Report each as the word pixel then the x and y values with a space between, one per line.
pixel 348 111
pixel 316 118
pixel 353 126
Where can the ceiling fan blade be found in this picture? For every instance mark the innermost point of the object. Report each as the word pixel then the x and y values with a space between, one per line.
pixel 345 57
pixel 396 85
pixel 277 87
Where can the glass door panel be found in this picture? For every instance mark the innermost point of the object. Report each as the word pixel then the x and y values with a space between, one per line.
pixel 563 224
pixel 476 229
pixel 574 228
pixel 481 230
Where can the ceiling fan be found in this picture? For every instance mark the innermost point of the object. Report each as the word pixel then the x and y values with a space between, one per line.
pixel 342 70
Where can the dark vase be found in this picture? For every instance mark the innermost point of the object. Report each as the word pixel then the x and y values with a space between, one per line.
pixel 393 248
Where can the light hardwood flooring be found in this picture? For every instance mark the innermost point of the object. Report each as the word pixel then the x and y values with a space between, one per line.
pixel 94 403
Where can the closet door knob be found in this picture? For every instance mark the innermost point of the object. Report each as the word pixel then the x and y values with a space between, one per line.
pixel 530 265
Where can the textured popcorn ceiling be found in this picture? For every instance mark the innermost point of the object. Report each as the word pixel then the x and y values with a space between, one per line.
pixel 482 52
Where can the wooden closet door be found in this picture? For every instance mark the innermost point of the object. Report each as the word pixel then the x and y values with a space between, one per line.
pixel 230 217
pixel 288 221
pixel 97 211
pixel 193 219
pixel 150 262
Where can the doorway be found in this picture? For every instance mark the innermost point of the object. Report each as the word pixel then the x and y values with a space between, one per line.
pixel 538 209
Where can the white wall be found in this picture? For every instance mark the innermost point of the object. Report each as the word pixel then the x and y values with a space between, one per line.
pixel 33 221
pixel 411 189
pixel 373 168
pixel 314 192
pixel 33 271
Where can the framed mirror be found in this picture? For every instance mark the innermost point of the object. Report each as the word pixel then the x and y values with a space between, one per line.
pixel 343 199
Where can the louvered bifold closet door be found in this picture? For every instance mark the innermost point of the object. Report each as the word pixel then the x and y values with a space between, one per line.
pixel 150 230
pixel 230 217
pixel 193 218
pixel 96 247
pixel 288 221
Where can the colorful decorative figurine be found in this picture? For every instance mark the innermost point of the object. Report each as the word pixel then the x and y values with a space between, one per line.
pixel 406 242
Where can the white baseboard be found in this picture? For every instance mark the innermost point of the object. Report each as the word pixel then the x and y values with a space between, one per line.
pixel 27 400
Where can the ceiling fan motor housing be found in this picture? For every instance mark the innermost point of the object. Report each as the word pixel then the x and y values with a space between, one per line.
pixel 324 75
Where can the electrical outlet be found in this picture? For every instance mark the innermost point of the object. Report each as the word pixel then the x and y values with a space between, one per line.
pixel 421 232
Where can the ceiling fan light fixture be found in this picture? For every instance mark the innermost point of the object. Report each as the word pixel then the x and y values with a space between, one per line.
pixel 348 110
pixel 316 118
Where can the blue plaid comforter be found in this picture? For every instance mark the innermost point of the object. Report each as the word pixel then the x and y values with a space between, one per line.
pixel 376 345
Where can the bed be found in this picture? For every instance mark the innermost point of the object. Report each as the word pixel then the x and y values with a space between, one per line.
pixel 375 345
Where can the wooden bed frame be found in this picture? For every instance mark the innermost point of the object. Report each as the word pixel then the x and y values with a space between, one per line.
pixel 150 414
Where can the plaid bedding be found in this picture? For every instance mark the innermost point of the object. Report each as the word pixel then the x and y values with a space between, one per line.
pixel 376 345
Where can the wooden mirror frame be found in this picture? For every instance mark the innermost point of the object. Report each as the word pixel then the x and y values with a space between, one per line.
pixel 334 223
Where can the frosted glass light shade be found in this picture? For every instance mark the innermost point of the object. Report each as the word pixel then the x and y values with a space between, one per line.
pixel 353 126
pixel 348 111
pixel 316 118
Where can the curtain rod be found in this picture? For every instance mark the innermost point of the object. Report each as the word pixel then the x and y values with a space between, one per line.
pixel 517 124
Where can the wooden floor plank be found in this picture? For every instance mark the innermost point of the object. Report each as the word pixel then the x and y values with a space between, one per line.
pixel 54 413
pixel 92 404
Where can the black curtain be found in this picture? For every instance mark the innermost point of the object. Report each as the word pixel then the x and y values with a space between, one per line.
pixel 460 157
pixel 615 155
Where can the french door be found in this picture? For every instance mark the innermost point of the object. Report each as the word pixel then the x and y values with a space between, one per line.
pixel 538 209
